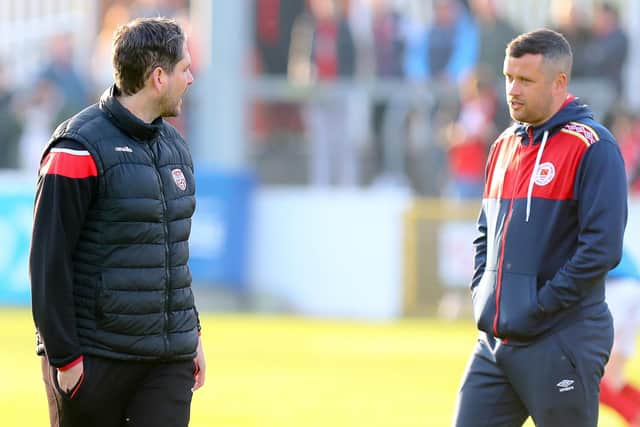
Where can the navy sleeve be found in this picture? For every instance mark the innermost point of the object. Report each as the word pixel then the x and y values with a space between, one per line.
pixel 480 242
pixel 480 245
pixel 601 193
pixel 66 183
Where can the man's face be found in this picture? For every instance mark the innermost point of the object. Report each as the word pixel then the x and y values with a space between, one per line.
pixel 179 80
pixel 529 88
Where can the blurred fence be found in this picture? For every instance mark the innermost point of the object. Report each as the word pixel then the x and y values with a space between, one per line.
pixel 293 125
pixel 359 132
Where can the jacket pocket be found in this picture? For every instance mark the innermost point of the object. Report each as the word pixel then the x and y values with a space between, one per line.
pixel 518 312
pixel 71 394
pixel 484 301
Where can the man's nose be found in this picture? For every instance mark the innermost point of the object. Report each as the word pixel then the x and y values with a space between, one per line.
pixel 513 88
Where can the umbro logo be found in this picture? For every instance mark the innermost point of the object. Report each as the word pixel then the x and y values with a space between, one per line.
pixel 565 385
pixel 124 149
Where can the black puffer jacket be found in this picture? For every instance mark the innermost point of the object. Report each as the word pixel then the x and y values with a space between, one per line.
pixel 132 286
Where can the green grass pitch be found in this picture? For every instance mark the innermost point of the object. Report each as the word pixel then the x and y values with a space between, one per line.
pixel 291 372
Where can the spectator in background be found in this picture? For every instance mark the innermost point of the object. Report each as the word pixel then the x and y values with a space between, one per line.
pixel 115 15
pixel 388 46
pixel 322 46
pixel 600 53
pixel 468 138
pixel 626 128
pixel 10 125
pixel 38 108
pixel 569 20
pixel 495 33
pixel 322 50
pixel 63 74
pixel 440 54
pixel 360 16
pixel 274 21
pixel 606 53
pixel 447 49
pixel 623 299
pixel 388 43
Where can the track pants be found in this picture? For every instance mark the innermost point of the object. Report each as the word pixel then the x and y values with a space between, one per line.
pixel 122 394
pixel 555 380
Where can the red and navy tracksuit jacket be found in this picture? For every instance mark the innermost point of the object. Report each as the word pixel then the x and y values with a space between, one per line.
pixel 553 215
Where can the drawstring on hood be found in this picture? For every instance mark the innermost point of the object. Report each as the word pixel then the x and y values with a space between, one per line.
pixel 534 173
pixel 571 110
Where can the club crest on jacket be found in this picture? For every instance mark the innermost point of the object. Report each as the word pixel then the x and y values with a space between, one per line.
pixel 179 179
pixel 545 173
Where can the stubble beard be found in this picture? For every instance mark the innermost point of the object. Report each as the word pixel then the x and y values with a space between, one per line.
pixel 169 108
pixel 520 115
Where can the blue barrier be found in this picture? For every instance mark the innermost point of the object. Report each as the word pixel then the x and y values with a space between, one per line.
pixel 219 233
pixel 16 213
pixel 219 237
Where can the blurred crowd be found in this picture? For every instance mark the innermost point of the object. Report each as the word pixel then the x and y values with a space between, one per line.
pixel 406 92
pixel 60 87
pixel 418 91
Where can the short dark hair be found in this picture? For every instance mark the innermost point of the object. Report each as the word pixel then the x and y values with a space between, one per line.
pixel 552 45
pixel 142 45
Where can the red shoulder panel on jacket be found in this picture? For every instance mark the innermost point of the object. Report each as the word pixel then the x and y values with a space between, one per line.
pixel 69 163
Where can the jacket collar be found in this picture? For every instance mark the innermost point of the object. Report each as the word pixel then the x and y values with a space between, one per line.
pixel 125 120
pixel 572 110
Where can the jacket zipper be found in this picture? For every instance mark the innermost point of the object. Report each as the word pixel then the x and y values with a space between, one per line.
pixel 503 241
pixel 167 272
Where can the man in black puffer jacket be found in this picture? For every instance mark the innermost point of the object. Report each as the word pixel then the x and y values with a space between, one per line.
pixel 111 289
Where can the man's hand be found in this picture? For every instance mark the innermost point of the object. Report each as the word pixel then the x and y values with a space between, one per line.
pixel 69 378
pixel 200 366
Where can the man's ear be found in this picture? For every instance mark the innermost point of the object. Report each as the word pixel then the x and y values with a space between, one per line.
pixel 158 79
pixel 561 82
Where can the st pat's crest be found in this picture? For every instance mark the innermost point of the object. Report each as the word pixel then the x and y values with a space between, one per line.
pixel 545 173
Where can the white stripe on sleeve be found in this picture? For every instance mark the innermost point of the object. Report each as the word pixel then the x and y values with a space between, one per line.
pixel 70 151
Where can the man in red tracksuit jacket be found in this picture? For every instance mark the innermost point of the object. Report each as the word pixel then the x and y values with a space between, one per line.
pixel 550 228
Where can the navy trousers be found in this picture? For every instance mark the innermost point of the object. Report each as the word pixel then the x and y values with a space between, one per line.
pixel 555 379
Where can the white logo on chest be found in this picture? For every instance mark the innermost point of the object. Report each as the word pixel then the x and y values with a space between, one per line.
pixel 179 179
pixel 545 173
